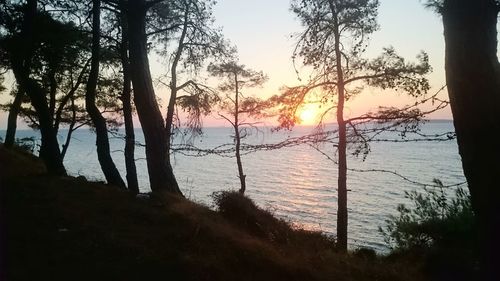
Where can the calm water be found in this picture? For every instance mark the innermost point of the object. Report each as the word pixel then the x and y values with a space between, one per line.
pixel 297 183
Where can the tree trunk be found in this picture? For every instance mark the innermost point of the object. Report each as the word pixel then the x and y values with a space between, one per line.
pixel 132 182
pixel 52 93
pixel 161 177
pixel 472 75
pixel 10 135
pixel 342 214
pixel 237 136
pixel 102 142
pixel 169 126
pixel 241 175
pixel 173 92
pixel 49 151
pixel 71 129
pixel 21 63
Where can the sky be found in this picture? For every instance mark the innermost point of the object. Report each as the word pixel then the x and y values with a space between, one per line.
pixel 262 29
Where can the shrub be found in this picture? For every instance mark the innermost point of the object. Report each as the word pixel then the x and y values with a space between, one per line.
pixel 434 219
pixel 28 144
pixel 242 211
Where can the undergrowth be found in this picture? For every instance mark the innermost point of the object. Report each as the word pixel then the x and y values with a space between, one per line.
pixel 438 227
pixel 64 228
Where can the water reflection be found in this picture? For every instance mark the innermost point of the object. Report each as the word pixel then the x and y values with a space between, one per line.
pixel 298 183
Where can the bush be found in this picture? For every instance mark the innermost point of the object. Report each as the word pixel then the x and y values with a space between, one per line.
pixel 242 211
pixel 439 231
pixel 434 219
pixel 28 144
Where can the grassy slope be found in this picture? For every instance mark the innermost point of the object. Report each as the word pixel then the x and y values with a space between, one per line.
pixel 70 229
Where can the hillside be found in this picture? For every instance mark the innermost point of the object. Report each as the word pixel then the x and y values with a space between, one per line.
pixel 70 229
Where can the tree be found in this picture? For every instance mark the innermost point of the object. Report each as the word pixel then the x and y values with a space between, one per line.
pixel 10 134
pixel 235 105
pixel 195 42
pixel 112 87
pixel 60 67
pixel 185 25
pixel 102 142
pixel 132 182
pixel 16 104
pixel 14 108
pixel 22 26
pixel 472 75
pixel 332 44
pixel 161 176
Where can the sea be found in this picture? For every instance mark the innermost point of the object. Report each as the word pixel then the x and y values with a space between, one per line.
pixel 297 183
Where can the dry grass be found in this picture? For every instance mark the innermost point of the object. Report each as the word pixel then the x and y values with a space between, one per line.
pixel 70 229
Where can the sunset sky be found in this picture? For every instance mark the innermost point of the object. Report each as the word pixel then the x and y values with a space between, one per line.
pixel 262 29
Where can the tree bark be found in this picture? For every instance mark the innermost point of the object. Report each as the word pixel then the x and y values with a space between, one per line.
pixel 472 75
pixel 102 142
pixel 10 135
pixel 132 182
pixel 161 176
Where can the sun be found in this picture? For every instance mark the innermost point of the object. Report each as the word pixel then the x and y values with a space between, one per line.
pixel 308 114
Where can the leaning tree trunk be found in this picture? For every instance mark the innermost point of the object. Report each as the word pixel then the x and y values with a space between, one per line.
pixel 20 62
pixel 160 173
pixel 472 75
pixel 132 182
pixel 169 119
pixel 10 135
pixel 102 142
pixel 49 150
pixel 71 129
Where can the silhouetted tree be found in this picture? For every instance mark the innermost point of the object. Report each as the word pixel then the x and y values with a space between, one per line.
pixel 112 87
pixel 129 152
pixel 10 134
pixel 22 36
pixel 195 40
pixel 473 78
pixel 184 24
pixel 61 64
pixel 161 176
pixel 236 106
pixel 334 38
pixel 4 65
pixel 102 141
